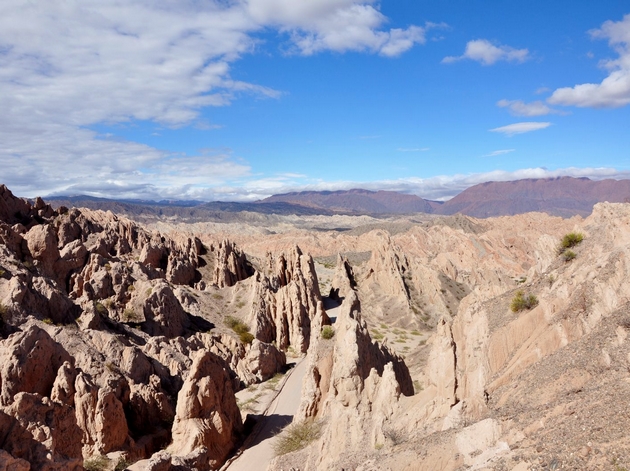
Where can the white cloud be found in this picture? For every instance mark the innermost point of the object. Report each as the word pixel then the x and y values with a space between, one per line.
pixel 520 108
pixel 614 90
pixel 66 66
pixel 499 152
pixel 413 149
pixel 520 128
pixel 482 50
pixel 337 25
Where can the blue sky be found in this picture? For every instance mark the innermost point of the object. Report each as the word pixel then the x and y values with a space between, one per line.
pixel 241 99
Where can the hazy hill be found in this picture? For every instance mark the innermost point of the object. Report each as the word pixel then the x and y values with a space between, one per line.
pixel 562 196
pixel 356 201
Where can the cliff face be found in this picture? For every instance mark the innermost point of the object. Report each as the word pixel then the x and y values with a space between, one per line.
pixel 114 341
pixel 288 301
pixel 499 387
pixel 100 350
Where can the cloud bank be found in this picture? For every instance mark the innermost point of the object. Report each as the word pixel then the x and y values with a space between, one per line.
pixel 439 188
pixel 66 66
pixel 614 90
pixel 483 51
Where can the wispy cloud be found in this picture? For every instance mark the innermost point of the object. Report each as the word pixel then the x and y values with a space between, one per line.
pixel 336 25
pixel 520 128
pixel 520 108
pixel 614 90
pixel 413 149
pixel 499 152
pixel 483 51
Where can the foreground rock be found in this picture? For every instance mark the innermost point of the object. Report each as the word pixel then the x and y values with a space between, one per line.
pixel 351 390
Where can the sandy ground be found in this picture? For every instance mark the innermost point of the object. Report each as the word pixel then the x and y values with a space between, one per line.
pixel 258 449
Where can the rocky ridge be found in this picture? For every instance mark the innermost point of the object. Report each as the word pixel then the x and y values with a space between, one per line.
pixel 458 382
pixel 106 346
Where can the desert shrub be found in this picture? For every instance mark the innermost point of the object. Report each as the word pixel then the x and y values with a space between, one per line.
pixel 568 255
pixel 122 464
pixel 521 302
pixel 131 288
pixel 328 332
pixel 47 321
pixel 100 308
pixel 246 337
pixel 240 328
pixel 96 463
pixel 129 315
pixel 296 436
pixel 570 240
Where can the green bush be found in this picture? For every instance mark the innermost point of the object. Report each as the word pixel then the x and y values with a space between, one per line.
pixel 246 337
pixel 521 302
pixel 122 464
pixel 296 436
pixel 570 240
pixel 328 332
pixel 129 315
pixel 568 255
pixel 96 463
pixel 100 308
pixel 240 328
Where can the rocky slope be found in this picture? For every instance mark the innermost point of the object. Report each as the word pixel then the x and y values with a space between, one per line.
pixel 106 346
pixel 114 340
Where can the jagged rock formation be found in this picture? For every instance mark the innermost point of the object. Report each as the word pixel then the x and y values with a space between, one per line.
pixel 98 352
pixel 288 301
pixel 352 385
pixel 113 341
pixel 206 410
pixel 232 265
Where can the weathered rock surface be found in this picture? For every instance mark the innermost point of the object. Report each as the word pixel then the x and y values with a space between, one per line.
pixel 231 264
pixel 207 415
pixel 352 386
pixel 288 301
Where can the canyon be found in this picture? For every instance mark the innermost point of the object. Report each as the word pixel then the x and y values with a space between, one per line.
pixel 161 343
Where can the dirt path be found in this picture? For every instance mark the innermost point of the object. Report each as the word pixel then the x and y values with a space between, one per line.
pixel 259 445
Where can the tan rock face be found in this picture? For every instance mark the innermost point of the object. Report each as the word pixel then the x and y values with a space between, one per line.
pixel 29 362
pixel 69 391
pixel 206 415
pixel 354 384
pixel 289 301
pixel 231 264
pixel 264 360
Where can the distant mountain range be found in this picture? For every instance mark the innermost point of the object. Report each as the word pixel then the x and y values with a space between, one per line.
pixel 356 201
pixel 562 196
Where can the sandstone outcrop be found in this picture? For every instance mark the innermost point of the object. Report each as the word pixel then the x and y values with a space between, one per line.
pixel 352 386
pixel 231 264
pixel 207 416
pixel 96 345
pixel 288 301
